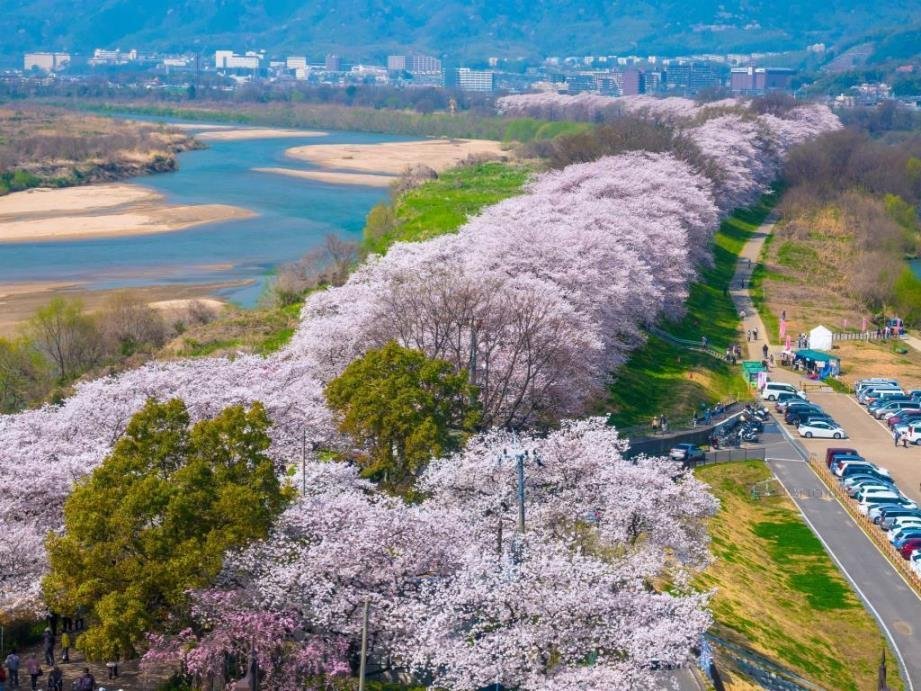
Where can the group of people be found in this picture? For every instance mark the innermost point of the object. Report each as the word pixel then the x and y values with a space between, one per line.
pixel 733 353
pixel 9 672
pixel 659 424
pixel 898 437
pixel 752 334
pixel 802 341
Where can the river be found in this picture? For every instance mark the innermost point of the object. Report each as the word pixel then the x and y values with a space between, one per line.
pixel 293 215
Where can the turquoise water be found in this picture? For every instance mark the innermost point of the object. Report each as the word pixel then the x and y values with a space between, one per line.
pixel 293 216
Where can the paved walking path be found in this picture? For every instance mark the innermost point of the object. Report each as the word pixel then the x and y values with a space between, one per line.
pixel 894 604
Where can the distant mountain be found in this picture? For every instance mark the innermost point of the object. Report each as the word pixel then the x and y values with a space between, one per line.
pixel 366 29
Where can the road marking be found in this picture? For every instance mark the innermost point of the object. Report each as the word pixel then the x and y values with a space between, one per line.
pixel 847 575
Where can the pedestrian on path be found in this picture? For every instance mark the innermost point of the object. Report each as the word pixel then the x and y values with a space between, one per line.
pixel 12 665
pixel 2 678
pixel 65 647
pixel 765 349
pixel 755 334
pixel 56 679
pixel 48 646
pixel 896 435
pixel 34 668
pixel 748 335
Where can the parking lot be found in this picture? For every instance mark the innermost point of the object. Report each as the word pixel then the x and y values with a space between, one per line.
pixel 871 436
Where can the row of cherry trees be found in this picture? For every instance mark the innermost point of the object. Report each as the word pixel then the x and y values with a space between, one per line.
pixel 539 298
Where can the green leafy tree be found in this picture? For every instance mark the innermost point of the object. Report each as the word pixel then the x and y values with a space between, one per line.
pixel 25 377
pixel 404 407
pixel 62 332
pixel 155 519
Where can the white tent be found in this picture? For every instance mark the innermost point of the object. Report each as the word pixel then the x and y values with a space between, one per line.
pixel 820 338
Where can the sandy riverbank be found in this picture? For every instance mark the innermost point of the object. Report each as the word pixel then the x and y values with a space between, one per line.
pixel 243 133
pixel 334 178
pixel 19 301
pixel 392 158
pixel 100 211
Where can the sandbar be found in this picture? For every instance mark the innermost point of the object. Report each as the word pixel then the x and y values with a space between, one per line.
pixel 19 301
pixel 243 133
pixel 46 201
pixel 393 158
pixel 334 178
pixel 100 211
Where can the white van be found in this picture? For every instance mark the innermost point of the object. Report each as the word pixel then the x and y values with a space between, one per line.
pixel 772 388
pixel 879 381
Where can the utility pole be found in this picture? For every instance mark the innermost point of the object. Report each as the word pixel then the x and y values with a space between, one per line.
pixel 304 465
pixel 364 646
pixel 520 456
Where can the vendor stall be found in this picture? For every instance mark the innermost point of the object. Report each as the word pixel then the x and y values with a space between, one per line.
pixel 817 364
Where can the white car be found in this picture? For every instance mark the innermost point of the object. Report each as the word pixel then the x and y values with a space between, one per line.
pixel 915 562
pixel 822 430
pixel 904 522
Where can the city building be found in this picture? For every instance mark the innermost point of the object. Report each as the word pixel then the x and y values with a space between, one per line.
pixel 757 81
pixel 296 62
pixel 333 63
pixel 577 83
pixel 103 56
pixel 414 64
pixel 690 78
pixel 465 79
pixel 228 60
pixel 46 62
pixel 633 83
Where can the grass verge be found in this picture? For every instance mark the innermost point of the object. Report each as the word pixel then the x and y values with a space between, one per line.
pixel 442 205
pixel 778 591
pixel 663 378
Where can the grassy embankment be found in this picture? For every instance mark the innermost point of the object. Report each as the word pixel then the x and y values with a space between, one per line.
pixel 664 378
pixel 777 590
pixel 434 208
pixel 807 268
pixel 464 125
pixel 49 147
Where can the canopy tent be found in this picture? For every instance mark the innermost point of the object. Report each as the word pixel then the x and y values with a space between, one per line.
pixel 820 338
pixel 819 362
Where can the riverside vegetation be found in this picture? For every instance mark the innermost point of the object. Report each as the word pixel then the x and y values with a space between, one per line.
pixel 50 147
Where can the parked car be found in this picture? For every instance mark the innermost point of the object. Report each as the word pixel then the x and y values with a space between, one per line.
pixel 865 383
pixel 883 512
pixel 862 485
pixel 834 451
pixel 904 417
pixel 784 398
pixel 804 419
pixel 773 389
pixel 687 453
pixel 900 537
pixel 893 407
pixel 874 395
pixel 821 429
pixel 852 480
pixel 912 433
pixel 793 415
pixel 847 466
pixel 910 546
pixel 871 393
pixel 902 522
pixel 865 505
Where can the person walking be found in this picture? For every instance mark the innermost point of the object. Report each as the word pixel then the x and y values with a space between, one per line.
pixel 65 647
pixel 48 646
pixel 896 435
pixel 56 679
pixel 764 349
pixel 12 665
pixel 112 669
pixel 2 678
pixel 87 682
pixel 755 334
pixel 34 668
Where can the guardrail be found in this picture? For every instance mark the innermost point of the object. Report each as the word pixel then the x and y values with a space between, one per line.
pixel 685 343
pixel 866 336
pixel 817 388
pixel 758 453
pixel 869 527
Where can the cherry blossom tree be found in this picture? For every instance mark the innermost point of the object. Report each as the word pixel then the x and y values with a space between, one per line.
pixel 227 628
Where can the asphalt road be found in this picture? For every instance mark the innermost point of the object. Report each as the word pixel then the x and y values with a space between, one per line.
pixel 892 602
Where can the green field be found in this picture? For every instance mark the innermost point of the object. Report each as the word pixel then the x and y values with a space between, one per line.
pixel 443 205
pixel 664 378
pixel 776 589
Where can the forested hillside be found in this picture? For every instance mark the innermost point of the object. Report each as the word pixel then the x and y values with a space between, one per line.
pixel 472 30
